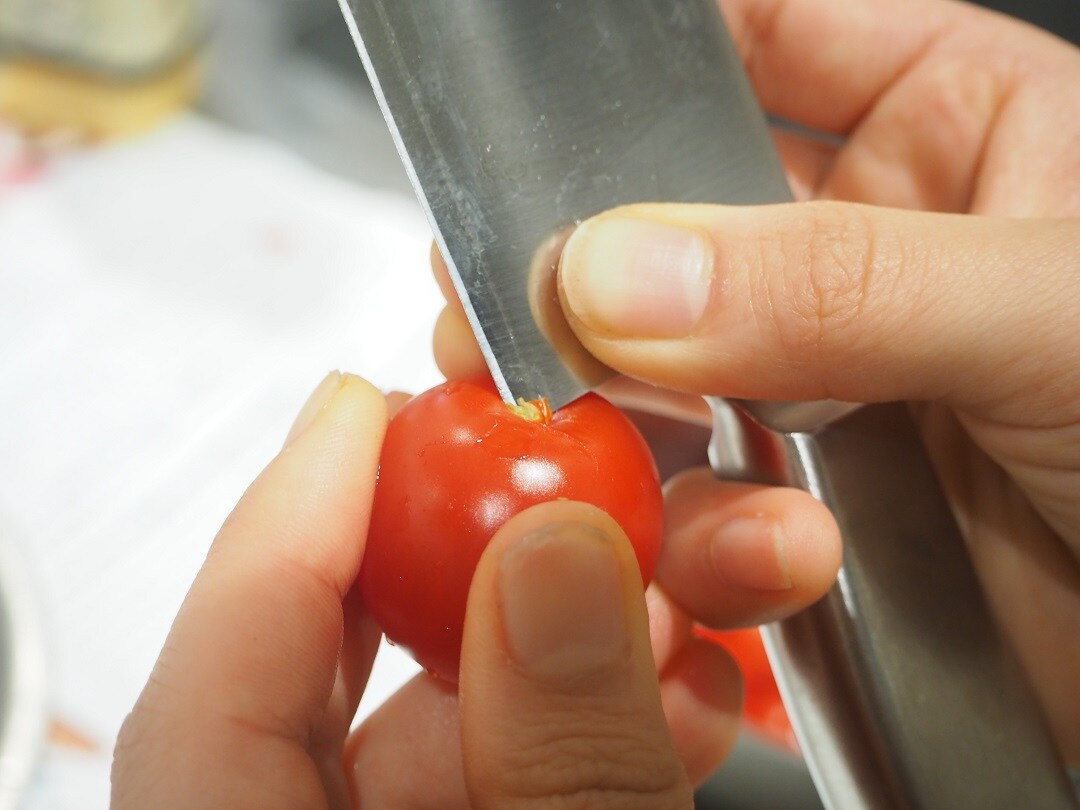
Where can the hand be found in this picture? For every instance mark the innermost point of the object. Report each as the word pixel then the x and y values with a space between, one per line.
pixel 251 701
pixel 970 313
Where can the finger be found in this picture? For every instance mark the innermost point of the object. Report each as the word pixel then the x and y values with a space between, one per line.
pixel 701 690
pixel 456 352
pixel 828 301
pixel 442 278
pixel 934 96
pixel 807 162
pixel 360 641
pixel 395 401
pixel 407 753
pixel 949 135
pixel 740 554
pixel 846 55
pixel 560 701
pixel 251 661
pixel 1031 579
pixel 670 629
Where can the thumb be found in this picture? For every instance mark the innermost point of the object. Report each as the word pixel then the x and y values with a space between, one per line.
pixel 560 703
pixel 826 301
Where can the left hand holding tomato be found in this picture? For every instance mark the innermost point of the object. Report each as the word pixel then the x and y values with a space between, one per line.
pixel 251 701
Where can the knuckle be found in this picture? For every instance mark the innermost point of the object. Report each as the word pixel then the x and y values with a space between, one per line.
pixel 832 275
pixel 960 102
pixel 610 764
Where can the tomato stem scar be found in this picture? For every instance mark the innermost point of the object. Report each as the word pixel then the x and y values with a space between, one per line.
pixel 533 410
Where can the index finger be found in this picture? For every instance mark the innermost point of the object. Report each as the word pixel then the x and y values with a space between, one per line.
pixel 251 660
pixel 824 64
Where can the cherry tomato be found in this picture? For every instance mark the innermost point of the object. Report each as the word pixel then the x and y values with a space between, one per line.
pixel 763 708
pixel 456 464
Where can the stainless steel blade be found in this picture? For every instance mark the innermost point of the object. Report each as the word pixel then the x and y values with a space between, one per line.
pixel 519 118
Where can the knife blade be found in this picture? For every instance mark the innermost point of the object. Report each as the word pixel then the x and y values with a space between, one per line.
pixel 512 140
pixel 517 119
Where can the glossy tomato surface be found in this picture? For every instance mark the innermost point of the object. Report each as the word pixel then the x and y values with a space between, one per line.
pixel 456 464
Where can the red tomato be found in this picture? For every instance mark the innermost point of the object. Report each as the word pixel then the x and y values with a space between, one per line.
pixel 763 709
pixel 457 463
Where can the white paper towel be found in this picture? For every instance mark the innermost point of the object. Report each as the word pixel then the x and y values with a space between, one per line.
pixel 166 305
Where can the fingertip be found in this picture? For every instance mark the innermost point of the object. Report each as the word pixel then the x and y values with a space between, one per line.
pixel 341 400
pixel 364 397
pixel 585 632
pixel 355 416
pixel 626 276
pixel 738 554
pixel 557 635
pixel 779 540
pixel 669 626
pixel 541 515
pixel 315 402
pixel 456 352
pixel 813 547
pixel 395 401
pixel 441 272
pixel 565 547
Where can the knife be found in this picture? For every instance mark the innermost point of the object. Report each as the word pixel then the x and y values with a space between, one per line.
pixel 516 120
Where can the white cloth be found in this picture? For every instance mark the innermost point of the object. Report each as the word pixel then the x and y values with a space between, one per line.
pixel 166 305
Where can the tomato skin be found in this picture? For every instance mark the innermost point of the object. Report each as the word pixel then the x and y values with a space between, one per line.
pixel 456 464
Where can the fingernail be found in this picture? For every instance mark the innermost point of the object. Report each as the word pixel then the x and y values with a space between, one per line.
pixel 562 600
pixel 626 276
pixel 318 400
pixel 751 552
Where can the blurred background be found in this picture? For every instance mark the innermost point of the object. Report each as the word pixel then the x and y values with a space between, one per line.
pixel 201 212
